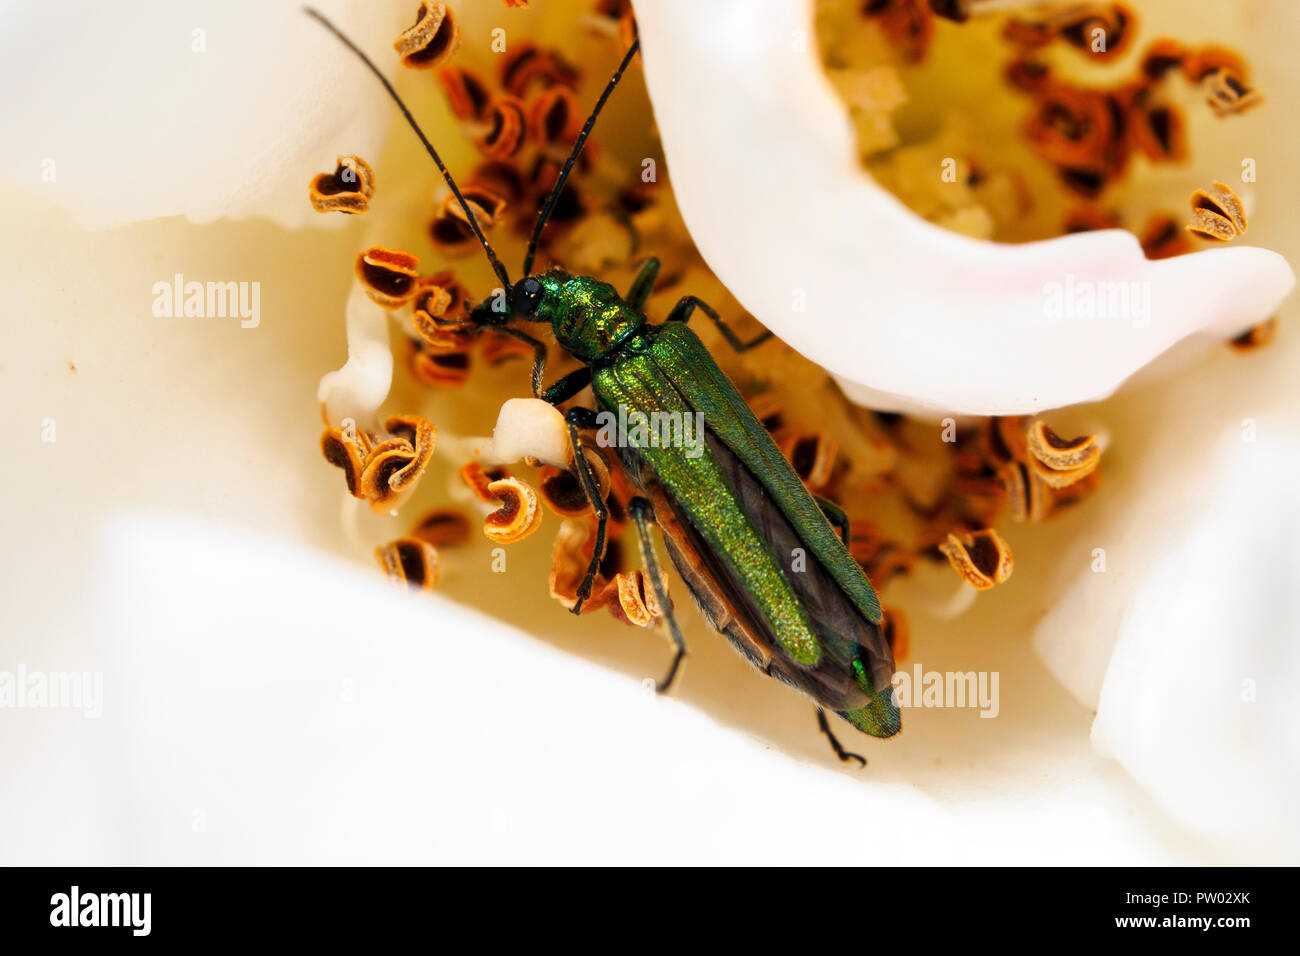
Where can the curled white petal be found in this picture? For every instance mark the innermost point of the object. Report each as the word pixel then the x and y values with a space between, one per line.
pixel 202 110
pixel 357 389
pixel 906 315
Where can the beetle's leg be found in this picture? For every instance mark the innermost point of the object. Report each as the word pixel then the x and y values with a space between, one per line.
pixel 682 313
pixel 643 283
pixel 835 515
pixel 641 512
pixel 565 388
pixel 844 755
pixel 539 355
pixel 575 419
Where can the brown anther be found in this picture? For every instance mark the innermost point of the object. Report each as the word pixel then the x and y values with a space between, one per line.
pixel 958 11
pixel 1028 497
pixel 451 235
pixel 893 622
pixel 890 561
pixel 1003 439
pixel 635 600
pixel 431 40
pixel 597 463
pixel 410 561
pixel 1199 64
pixel 982 558
pixel 467 94
pixel 563 493
pixel 1061 462
pixel 527 67
pixel 519 514
pixel 569 559
pixel 1089 218
pixel 443 527
pixel 348 189
pixel 908 25
pixel 507 128
pixel 1228 95
pixel 441 369
pixel 1161 57
pixel 1115 22
pixel 480 479
pixel 770 412
pixel 813 457
pixel 387 275
pixel 347 448
pixel 1159 133
pixel 487 206
pixel 1163 238
pixel 394 466
pixel 502 179
pixel 439 316
pixel 497 348
pixel 1028 76
pixel 1217 213
pixel 555 117
pixel 1256 336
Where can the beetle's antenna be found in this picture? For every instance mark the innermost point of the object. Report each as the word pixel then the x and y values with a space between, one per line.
pixel 497 267
pixel 549 207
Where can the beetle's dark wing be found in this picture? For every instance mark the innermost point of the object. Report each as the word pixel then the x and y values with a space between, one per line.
pixel 724 599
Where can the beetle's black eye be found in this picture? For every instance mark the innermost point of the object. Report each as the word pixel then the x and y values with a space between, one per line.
pixel 526 296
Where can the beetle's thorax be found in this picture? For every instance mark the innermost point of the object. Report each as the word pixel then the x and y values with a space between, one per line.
pixel 589 317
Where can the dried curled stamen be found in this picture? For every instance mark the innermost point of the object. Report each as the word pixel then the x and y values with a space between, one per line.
pixel 431 40
pixel 1161 58
pixel 554 116
pixel 1217 213
pixel 1228 95
pixel 907 25
pixel 813 458
pixel 443 527
pixel 1060 462
pixel 443 369
pixel 570 557
pixel 479 480
pixel 1158 132
pixel 893 622
pixel 563 493
pixel 1003 440
pixel 497 348
pixel 1163 238
pixel 410 561
pixel 348 189
pixel 635 601
pixel 982 558
pixel 467 94
pixel 770 412
pixel 507 129
pixel 519 515
pixel 1028 497
pixel 394 466
pixel 1257 336
pixel 1103 31
pixel 527 67
pixel 347 448
pixel 387 275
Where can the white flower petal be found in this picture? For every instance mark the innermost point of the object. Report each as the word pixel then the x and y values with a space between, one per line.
pixel 1198 699
pixel 204 109
pixel 905 314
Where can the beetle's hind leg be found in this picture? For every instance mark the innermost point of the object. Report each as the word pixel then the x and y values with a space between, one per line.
pixel 845 755
pixel 641 513
pixel 835 515
pixel 682 313
pixel 585 418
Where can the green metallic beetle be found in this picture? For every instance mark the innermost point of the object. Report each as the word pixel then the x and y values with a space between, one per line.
pixel 735 517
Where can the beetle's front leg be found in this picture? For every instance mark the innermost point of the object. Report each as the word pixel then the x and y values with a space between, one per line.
pixel 567 387
pixel 539 355
pixel 575 419
pixel 643 283
pixel 682 313
pixel 641 512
